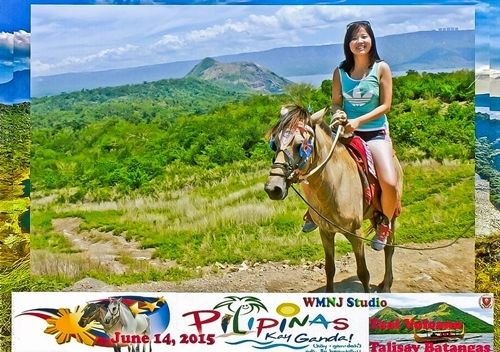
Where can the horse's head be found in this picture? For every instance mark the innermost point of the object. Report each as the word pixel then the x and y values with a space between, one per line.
pixel 113 310
pixel 90 313
pixel 292 138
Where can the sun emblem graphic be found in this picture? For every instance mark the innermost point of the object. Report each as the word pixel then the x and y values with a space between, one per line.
pixel 65 326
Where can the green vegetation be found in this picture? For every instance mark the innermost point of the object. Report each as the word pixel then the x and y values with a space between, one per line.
pixel 15 133
pixel 126 155
pixel 158 103
pixel 14 203
pixel 189 184
pixel 488 273
pixel 229 219
pixel 15 278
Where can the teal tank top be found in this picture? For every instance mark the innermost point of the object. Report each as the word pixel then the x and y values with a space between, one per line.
pixel 362 96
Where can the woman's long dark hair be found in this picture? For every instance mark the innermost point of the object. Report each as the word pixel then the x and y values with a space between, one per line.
pixel 348 64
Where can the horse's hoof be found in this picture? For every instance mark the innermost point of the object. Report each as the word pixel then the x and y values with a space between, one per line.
pixel 381 288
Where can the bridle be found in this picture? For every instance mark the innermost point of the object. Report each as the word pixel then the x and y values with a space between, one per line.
pixel 294 171
pixel 115 318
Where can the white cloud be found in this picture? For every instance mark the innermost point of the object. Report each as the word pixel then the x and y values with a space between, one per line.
pixel 282 23
pixel 170 41
pixel 40 67
pixel 159 34
pixel 263 21
pixel 7 40
pixel 216 31
pixel 22 39
pixel 73 61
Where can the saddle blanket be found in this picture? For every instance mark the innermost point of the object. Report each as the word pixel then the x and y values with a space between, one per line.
pixel 359 151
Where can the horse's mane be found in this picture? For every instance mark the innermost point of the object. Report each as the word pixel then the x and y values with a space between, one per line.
pixel 94 305
pixel 294 115
pixel 324 126
pixel 125 306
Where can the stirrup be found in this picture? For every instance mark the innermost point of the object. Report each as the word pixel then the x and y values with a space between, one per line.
pixel 309 226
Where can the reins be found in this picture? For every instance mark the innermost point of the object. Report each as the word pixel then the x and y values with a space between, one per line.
pixel 368 240
pixel 302 178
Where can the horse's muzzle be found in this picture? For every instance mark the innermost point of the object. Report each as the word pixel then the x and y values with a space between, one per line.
pixel 275 189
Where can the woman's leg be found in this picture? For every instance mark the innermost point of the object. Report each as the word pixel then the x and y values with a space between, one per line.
pixel 382 153
pixel 384 165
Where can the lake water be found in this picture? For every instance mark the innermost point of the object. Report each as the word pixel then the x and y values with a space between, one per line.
pixel 316 80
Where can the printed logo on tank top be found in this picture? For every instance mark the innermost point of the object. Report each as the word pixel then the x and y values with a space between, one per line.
pixel 358 98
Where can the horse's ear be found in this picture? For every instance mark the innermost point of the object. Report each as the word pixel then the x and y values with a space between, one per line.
pixel 317 117
pixel 284 110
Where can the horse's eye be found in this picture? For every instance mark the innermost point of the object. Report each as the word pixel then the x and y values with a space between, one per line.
pixel 296 147
pixel 272 145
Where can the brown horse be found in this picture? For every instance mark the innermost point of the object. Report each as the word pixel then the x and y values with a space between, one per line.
pixel 333 186
pixel 96 312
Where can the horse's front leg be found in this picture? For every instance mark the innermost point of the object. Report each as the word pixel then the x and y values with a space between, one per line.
pixel 328 240
pixel 359 253
pixel 144 346
pixel 386 284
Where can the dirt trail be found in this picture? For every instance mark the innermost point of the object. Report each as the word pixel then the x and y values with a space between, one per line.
pixel 103 247
pixel 418 271
pixel 449 269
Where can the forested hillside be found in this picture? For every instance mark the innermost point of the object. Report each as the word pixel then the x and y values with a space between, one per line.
pixel 126 137
pixel 159 103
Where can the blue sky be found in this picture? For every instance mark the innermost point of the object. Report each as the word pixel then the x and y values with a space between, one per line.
pixel 494 36
pixel 14 37
pixel 99 52
pixel 90 38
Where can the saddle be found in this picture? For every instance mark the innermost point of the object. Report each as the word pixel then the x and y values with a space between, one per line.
pixel 358 149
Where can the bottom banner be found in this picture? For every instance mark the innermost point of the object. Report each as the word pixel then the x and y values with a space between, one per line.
pixel 76 321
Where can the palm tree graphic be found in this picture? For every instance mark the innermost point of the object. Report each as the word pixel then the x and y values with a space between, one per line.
pixel 240 306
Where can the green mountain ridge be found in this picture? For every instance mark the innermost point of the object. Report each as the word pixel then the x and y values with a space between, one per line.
pixel 239 75
pixel 436 312
pixel 161 101
pixel 448 50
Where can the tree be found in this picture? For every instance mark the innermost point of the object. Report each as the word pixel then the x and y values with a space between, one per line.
pixel 241 306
